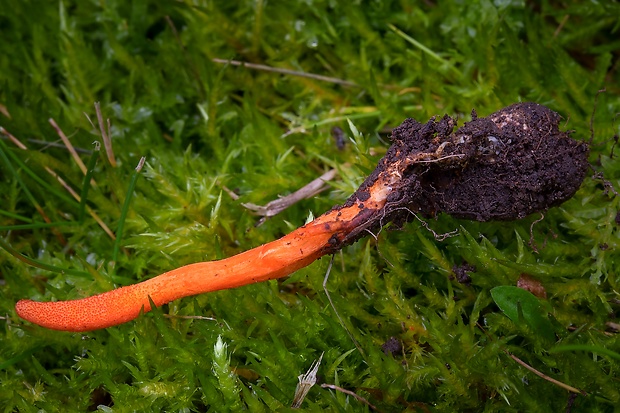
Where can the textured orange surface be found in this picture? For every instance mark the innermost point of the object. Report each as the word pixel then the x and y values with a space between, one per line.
pixel 273 260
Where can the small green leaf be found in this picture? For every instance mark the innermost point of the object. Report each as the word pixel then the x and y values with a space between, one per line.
pixel 521 306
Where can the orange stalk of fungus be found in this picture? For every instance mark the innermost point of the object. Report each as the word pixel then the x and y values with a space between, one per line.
pixel 505 166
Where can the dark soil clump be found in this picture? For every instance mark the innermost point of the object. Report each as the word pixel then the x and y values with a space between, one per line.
pixel 520 163
pixel 505 166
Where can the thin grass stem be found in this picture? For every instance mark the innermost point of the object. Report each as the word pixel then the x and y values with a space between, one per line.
pixel 15 216
pixel 425 49
pixel 38 264
pixel 36 177
pixel 18 179
pixel 86 182
pixel 37 225
pixel 125 209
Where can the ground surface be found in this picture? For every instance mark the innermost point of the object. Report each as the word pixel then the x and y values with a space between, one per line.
pixel 425 325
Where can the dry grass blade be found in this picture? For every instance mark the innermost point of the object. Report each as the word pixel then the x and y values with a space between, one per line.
pixel 350 393
pixel 77 197
pixel 278 205
pixel 272 69
pixel 69 146
pixel 306 381
pixel 4 111
pixel 107 139
pixel 13 139
pixel 62 182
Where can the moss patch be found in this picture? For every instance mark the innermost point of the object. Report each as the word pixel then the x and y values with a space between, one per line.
pixel 206 127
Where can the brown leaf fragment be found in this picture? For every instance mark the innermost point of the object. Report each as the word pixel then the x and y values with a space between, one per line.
pixel 529 283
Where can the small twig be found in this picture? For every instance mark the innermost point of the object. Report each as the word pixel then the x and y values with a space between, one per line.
pixel 307 191
pixel 532 369
pixel 272 69
pixel 107 138
pixel 613 326
pixel 545 377
pixel 350 393
pixel 561 25
pixel 230 193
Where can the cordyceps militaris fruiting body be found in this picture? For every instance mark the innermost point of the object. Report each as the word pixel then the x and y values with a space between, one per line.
pixel 502 167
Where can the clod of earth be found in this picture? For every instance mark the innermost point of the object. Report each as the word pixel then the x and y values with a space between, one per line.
pixel 506 166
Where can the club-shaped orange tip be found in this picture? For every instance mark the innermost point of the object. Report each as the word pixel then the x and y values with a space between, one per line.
pixel 273 260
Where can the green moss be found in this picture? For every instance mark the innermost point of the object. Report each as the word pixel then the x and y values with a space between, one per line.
pixel 205 127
